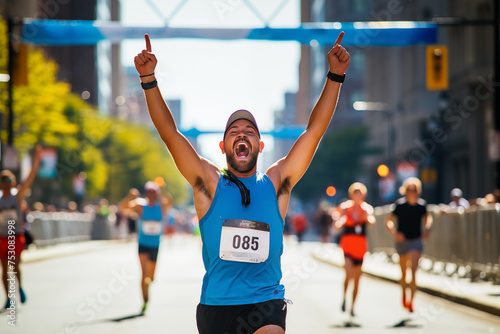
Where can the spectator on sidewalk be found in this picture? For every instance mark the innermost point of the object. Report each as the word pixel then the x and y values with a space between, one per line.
pixel 127 218
pixel 38 206
pixel 323 220
pixel 72 206
pixel 496 195
pixel 457 199
pixel 355 215
pixel 151 212
pixel 299 221
pixel 28 237
pixel 11 226
pixel 405 225
pixel 490 198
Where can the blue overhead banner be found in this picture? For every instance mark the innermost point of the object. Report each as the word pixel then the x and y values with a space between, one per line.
pixel 280 132
pixel 388 33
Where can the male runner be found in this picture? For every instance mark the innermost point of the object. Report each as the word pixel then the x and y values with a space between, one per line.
pixel 241 210
pixel 151 211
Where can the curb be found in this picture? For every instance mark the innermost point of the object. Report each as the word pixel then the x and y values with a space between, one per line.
pixel 65 249
pixel 434 292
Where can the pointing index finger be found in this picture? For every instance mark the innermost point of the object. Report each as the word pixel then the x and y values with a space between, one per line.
pixel 339 39
pixel 148 42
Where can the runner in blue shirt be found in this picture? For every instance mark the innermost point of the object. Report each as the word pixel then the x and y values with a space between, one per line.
pixel 152 212
pixel 241 210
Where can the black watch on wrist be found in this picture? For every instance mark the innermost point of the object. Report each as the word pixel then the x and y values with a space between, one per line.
pixel 335 77
pixel 149 85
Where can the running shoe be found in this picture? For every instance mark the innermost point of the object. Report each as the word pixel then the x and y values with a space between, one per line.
pixel 7 304
pixel 343 306
pixel 410 306
pixel 23 295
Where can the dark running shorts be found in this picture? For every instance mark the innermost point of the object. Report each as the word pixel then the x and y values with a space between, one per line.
pixel 152 252
pixel 408 245
pixel 240 319
pixel 356 262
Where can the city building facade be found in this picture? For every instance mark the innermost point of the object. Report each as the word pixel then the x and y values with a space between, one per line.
pixel 100 87
pixel 445 137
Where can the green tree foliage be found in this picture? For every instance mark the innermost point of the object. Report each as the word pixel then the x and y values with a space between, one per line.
pixel 80 152
pixel 137 155
pixel 338 162
pixel 4 54
pixel 39 107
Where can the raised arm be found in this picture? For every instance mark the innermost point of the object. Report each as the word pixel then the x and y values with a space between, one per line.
pixel 290 169
pixel 190 164
pixel 129 203
pixel 26 185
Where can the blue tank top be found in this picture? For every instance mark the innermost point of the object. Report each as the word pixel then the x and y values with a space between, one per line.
pixel 242 247
pixel 150 226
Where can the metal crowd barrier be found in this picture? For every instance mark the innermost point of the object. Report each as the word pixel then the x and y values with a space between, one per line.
pixel 468 240
pixel 50 228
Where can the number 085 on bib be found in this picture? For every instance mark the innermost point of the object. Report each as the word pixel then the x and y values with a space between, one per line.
pixel 244 241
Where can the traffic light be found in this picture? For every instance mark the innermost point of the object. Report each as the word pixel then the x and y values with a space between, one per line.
pixel 331 191
pixel 160 181
pixel 436 60
pixel 382 170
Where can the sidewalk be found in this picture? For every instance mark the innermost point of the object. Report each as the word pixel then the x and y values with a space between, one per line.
pixel 483 296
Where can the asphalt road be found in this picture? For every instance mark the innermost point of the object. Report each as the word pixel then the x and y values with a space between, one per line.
pixel 99 292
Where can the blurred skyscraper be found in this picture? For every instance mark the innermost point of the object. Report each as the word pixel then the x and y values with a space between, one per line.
pixel 443 135
pixel 285 117
pixel 447 138
pixel 314 65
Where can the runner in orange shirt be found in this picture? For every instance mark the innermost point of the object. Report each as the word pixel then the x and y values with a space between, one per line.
pixel 355 216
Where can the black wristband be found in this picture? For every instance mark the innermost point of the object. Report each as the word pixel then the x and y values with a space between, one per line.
pixel 335 77
pixel 147 75
pixel 149 85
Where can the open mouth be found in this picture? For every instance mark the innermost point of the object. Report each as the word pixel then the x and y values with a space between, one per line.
pixel 242 149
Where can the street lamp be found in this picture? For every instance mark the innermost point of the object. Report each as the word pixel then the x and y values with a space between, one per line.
pixel 4 77
pixel 391 137
pixel 369 106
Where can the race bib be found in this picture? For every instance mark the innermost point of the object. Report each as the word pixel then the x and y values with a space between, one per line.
pixel 244 241
pixel 358 229
pixel 151 227
pixel 8 214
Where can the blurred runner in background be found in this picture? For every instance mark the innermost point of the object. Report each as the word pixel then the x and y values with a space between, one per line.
pixel 12 241
pixel 151 211
pixel 405 225
pixel 355 216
